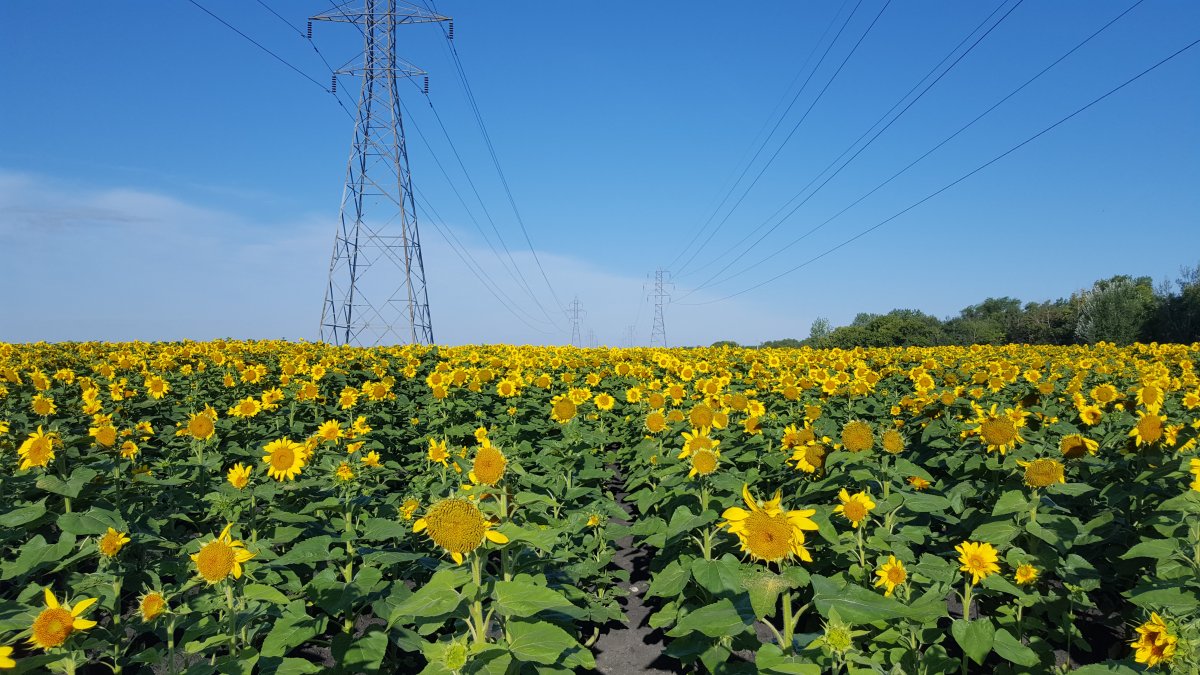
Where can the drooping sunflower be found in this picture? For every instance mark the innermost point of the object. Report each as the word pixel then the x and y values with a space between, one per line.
pixel 857 436
pixel 918 483
pixel 408 508
pixel 891 574
pixel 1154 643
pixel 978 559
pixel 221 557
pixel 854 507
pixel 1042 472
pixel 1074 446
pixel 38 449
pixel 285 458
pixel 56 622
pixel 489 465
pixel 999 431
pixel 457 526
pixel 810 458
pixel 111 542
pixel 766 531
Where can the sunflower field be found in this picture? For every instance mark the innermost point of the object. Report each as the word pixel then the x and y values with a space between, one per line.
pixel 275 507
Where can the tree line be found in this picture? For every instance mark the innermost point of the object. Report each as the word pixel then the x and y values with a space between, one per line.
pixel 1121 310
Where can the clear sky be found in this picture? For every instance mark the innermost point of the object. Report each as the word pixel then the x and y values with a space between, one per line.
pixel 163 178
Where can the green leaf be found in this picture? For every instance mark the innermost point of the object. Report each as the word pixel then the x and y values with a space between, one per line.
pixel 69 488
pixel 718 576
pixel 1012 501
pixel 1069 489
pixel 379 529
pixel 975 637
pixel 538 642
pixel 771 661
pixel 521 599
pixel 362 655
pixel 716 620
pixel 437 597
pixel 36 553
pixel 1155 548
pixel 854 604
pixel 920 502
pixel 1173 599
pixel 23 515
pixel 306 552
pixel 1011 649
pixel 670 581
pixel 764 588
pixel 997 532
pixel 94 521
pixel 264 593
pixel 290 631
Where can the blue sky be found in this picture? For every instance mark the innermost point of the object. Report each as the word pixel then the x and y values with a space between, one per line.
pixel 161 177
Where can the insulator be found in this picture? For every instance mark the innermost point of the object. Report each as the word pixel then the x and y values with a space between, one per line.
pixel 426 84
pixel 333 86
pixel 450 32
pixel 309 30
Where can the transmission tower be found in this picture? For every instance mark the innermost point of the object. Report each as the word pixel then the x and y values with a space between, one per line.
pixel 575 313
pixel 658 333
pixel 376 292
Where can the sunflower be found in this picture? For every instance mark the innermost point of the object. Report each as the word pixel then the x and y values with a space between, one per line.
pixel 408 508
pixel 1104 394
pixel 810 458
pixel 1149 428
pixel 151 605
pixel 200 425
pixel 111 542
pixel 438 453
pixel 794 437
pixel 918 483
pixel 656 422
pixel 698 439
pixel 38 449
pixel 330 431
pixel 857 436
pixel 221 557
pixel 284 459
pixel 1074 446
pixel 1150 397
pixel 562 409
pixel 458 527
pixel 1155 643
pixel 891 574
pixel 247 407
pixel 157 387
pixel 978 559
pixel 55 624
pixel 893 442
pixel 704 462
pixel 1042 472
pixel 238 476
pixel 105 435
pixel 489 466
pixel 701 416
pixel 999 431
pixel 43 405
pixel 604 401
pixel 1026 574
pixel 855 508
pixel 344 473
pixel 371 459
pixel 1091 415
pixel 6 659
pixel 766 531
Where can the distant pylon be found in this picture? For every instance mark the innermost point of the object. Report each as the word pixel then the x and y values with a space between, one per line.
pixel 658 333
pixel 575 313
pixel 376 292
pixel 629 335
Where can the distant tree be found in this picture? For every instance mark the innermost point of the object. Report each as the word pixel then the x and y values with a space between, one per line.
pixel 821 328
pixel 897 328
pixel 790 343
pixel 1116 310
pixel 726 343
pixel 1177 318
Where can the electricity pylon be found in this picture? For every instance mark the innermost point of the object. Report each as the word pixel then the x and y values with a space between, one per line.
pixel 658 333
pixel 376 292
pixel 575 313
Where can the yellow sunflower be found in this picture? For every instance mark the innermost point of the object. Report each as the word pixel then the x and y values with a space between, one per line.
pixel 489 466
pixel 1026 574
pixel 458 527
pixel 1149 428
pixel 891 574
pixel 56 622
pixel 857 436
pixel 111 542
pixel 438 453
pixel 810 458
pixel 999 431
pixel 1074 446
pixel 1154 643
pixel 766 531
pixel 698 439
pixel 221 557
pixel 151 605
pixel 978 559
pixel 284 459
pixel 704 462
pixel 238 476
pixel 855 508
pixel 562 409
pixel 1042 472
pixel 38 449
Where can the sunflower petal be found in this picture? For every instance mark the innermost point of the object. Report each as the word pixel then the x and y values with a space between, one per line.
pixel 51 601
pixel 82 624
pixel 83 605
pixel 495 536
pixel 419 526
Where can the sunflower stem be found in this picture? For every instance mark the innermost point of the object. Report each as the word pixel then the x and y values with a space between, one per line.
pixel 785 642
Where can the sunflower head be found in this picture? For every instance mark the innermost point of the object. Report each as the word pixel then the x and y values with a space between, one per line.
pixel 489 466
pixel 221 558
pixel 766 531
pixel 151 605
pixel 857 436
pixel 284 459
pixel 978 559
pixel 457 526
pixel 55 624
pixel 111 542
pixel 855 508
pixel 1042 472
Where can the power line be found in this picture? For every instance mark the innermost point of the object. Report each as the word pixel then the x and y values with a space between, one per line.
pixel 778 121
pixel 927 153
pixel 258 44
pixel 789 136
pixel 937 192
pixel 862 148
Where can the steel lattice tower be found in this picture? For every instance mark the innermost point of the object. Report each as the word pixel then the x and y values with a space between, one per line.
pixel 376 292
pixel 658 333
pixel 576 313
